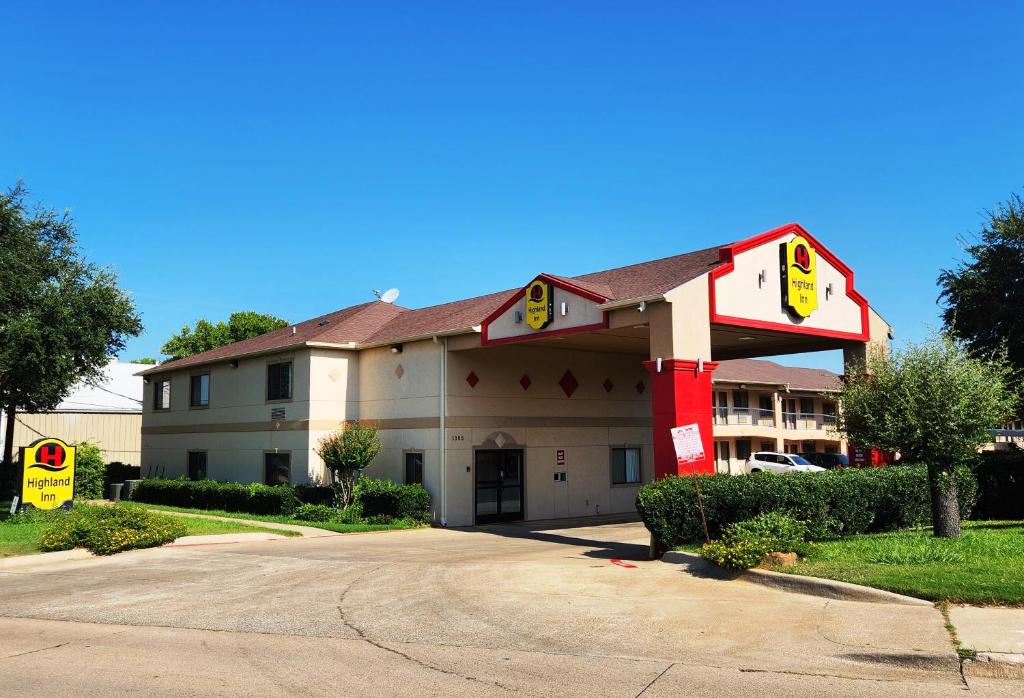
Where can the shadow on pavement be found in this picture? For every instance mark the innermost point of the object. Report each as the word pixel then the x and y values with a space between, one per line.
pixel 561 532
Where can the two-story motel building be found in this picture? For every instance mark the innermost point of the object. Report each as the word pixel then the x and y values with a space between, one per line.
pixel 551 400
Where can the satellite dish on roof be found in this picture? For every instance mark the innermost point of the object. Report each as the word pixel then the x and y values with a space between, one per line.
pixel 389 296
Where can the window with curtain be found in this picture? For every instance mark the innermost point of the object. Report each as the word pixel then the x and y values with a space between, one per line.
pixel 625 466
pixel 279 381
pixel 200 390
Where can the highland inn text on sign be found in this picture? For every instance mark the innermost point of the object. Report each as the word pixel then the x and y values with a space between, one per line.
pixel 552 400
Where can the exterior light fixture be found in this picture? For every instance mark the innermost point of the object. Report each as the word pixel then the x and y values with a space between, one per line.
pixel 396 348
pixel 234 363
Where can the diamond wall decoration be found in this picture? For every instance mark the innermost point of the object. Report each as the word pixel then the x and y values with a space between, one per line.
pixel 607 385
pixel 399 371
pixel 568 383
pixel 640 387
pixel 472 379
pixel 525 382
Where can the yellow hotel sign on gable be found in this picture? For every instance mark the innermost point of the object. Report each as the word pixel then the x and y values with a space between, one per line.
pixel 48 474
pixel 540 305
pixel 799 276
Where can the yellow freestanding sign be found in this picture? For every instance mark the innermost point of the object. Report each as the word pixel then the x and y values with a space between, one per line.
pixel 48 474
pixel 799 276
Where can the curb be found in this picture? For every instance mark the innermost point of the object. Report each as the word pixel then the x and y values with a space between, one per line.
pixel 796 583
pixel 17 562
pixel 995 665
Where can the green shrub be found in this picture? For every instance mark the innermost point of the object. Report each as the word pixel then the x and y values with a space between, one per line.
pixel 746 543
pixel 90 471
pixel 1000 476
pixel 385 500
pixel 834 503
pixel 110 529
pixel 314 512
pixel 209 494
pixel 315 494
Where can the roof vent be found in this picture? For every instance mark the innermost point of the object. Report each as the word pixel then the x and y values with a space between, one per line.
pixel 322 323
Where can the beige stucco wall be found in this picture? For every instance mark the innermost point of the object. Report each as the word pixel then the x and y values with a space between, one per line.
pixel 117 435
pixel 236 429
pixel 579 312
pixel 542 420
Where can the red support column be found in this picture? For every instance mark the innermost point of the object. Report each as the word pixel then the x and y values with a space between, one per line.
pixel 680 395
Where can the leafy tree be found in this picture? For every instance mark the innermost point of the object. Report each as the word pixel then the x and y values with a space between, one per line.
pixel 933 402
pixel 984 295
pixel 61 318
pixel 144 360
pixel 206 335
pixel 346 453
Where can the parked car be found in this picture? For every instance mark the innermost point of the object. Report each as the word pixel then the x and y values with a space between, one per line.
pixel 769 461
pixel 829 461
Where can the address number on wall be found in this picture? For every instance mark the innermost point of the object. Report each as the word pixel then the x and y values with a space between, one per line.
pixel 458 437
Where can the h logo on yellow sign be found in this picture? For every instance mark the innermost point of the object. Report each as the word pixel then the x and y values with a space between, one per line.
pixel 798 261
pixel 48 474
pixel 540 304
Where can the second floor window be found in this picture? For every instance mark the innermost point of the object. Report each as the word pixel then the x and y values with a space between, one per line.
pixel 740 399
pixel 162 395
pixel 200 391
pixel 806 406
pixel 279 381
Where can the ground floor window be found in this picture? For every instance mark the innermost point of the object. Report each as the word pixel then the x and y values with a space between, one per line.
pixel 767 445
pixel 723 455
pixel 831 449
pixel 277 468
pixel 413 468
pixel 625 466
pixel 742 449
pixel 197 465
pixel 810 447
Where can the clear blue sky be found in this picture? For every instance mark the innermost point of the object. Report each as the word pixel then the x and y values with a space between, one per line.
pixel 291 157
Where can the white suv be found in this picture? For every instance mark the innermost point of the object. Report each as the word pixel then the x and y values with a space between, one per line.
pixel 779 463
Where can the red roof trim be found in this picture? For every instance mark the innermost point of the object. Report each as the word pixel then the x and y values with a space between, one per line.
pixel 515 297
pixel 728 253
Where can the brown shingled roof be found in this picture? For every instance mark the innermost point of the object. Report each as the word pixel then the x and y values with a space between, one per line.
pixel 381 323
pixel 352 324
pixel 771 373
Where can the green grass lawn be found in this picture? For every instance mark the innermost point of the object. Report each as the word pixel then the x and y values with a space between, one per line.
pixel 23 539
pixel 984 566
pixel 326 525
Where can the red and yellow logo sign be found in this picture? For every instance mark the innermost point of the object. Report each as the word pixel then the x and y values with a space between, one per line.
pixel 799 276
pixel 48 474
pixel 540 304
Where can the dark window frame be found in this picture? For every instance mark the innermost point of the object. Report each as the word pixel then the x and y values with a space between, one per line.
pixel 272 395
pixel 405 467
pixel 278 454
pixel 639 466
pixel 189 465
pixel 195 402
pixel 748 446
pixel 158 392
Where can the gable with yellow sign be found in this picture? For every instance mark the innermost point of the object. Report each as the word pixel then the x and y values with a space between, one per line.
pixel 799 276
pixel 48 474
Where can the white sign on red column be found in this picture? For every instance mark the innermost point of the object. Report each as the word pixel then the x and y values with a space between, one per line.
pixel 686 440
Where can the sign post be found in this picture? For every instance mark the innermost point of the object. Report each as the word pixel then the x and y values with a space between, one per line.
pixel 689 449
pixel 48 474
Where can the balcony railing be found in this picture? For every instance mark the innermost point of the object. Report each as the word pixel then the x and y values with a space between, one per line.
pixel 807 421
pixel 750 416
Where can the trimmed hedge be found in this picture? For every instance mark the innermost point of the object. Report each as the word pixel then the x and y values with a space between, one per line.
pixel 1000 476
pixel 110 529
pixel 834 503
pixel 210 494
pixel 315 494
pixel 385 499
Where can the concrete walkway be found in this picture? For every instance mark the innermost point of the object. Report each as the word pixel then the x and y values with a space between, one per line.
pixel 996 634
pixel 304 531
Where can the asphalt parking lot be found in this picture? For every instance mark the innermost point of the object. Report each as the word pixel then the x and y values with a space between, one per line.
pixel 528 610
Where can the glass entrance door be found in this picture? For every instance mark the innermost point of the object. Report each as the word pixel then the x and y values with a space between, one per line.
pixel 499 486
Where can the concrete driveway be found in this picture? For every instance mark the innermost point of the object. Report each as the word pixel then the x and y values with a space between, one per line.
pixel 516 609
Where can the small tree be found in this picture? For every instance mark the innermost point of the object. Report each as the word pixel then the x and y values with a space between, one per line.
pixel 346 453
pixel 934 403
